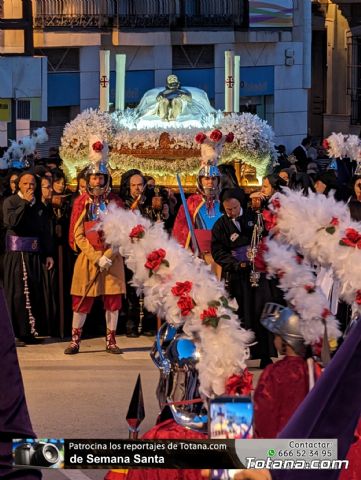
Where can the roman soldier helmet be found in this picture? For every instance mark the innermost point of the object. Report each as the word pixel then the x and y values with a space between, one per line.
pixel 98 158
pixel 284 322
pixel 211 149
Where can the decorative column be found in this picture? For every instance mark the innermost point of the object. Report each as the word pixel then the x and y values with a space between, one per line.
pixel 228 80
pixel 120 61
pixel 104 56
pixel 237 80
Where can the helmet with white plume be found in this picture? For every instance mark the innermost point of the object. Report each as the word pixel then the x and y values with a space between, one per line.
pixel 211 150
pixel 19 154
pixel 98 158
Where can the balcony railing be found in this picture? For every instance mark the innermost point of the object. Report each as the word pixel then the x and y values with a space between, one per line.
pixel 77 21
pixel 172 14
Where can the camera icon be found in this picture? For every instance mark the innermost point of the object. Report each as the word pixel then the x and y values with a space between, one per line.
pixel 39 454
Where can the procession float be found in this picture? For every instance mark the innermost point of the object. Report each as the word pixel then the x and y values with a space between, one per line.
pixel 158 137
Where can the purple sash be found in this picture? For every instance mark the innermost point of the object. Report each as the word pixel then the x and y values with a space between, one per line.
pixel 22 244
pixel 240 254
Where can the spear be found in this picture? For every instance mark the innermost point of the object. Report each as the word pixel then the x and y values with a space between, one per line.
pixel 188 217
pixel 136 413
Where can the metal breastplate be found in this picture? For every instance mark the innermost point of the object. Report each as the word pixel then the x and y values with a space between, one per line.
pixel 95 208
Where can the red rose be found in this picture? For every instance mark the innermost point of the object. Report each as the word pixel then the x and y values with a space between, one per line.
pixel 185 304
pixel 347 243
pixel 299 259
pixel 240 384
pixel 270 219
pixel 229 137
pixel 216 135
pixel 137 232
pixel 181 288
pixel 155 259
pixel 97 146
pixel 276 203
pixel 335 221
pixel 325 144
pixel 200 137
pixel 309 288
pixel 352 238
pixel 325 313
pixel 211 312
pixel 358 297
pixel 352 235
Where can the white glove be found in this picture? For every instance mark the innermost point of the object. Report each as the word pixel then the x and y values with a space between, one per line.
pixel 104 263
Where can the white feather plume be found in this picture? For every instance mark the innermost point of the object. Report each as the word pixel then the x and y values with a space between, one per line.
pixel 302 223
pixel 224 350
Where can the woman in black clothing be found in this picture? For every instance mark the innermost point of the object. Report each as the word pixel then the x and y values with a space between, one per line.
pixel 267 290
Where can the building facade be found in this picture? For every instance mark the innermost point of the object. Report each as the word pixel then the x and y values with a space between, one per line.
pixel 335 100
pixel 186 38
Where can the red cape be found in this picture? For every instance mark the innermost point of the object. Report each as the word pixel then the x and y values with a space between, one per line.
pixel 165 430
pixel 78 207
pixel 180 230
pixel 280 390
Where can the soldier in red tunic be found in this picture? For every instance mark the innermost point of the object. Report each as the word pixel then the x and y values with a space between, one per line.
pixel 204 205
pixel 98 271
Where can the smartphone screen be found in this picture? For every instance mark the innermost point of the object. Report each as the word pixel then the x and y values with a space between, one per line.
pixel 230 417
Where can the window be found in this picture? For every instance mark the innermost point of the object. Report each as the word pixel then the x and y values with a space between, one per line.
pixel 354 78
pixel 61 59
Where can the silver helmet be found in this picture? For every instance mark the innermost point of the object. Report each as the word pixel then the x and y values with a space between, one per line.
pixel 209 171
pixel 283 321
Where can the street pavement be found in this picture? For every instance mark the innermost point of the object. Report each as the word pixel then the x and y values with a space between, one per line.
pixel 87 395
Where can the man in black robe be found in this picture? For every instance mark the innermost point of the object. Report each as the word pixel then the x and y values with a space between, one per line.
pixel 28 245
pixel 231 237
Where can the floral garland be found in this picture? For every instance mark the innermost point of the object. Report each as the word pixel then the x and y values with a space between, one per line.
pixel 296 278
pixel 154 166
pixel 329 238
pixel 339 145
pixel 253 143
pixel 184 291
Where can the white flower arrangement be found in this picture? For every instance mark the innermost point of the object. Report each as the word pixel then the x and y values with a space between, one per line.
pixel 74 147
pixel 253 143
pixel 222 350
